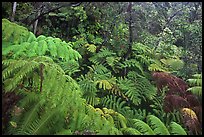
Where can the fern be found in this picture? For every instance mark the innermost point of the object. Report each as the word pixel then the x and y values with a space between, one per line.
pixel 176 129
pixel 132 63
pixel 100 58
pixel 158 126
pixel 190 120
pixel 174 64
pixel 41 45
pixel 136 87
pixel 130 131
pixel 196 84
pixel 70 67
pixel 13 33
pixel 90 47
pixel 113 102
pixel 143 127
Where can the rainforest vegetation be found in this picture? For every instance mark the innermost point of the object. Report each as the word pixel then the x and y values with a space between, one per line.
pixel 102 68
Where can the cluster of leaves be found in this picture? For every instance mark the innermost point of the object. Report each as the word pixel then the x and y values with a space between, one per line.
pixel 113 92
pixel 47 96
pixel 178 98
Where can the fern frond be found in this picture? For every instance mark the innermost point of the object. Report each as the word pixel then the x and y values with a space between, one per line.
pixel 113 102
pixel 174 64
pixel 176 129
pixel 130 131
pixel 157 67
pixel 197 90
pixel 142 127
pixel 13 33
pixel 132 63
pixel 158 126
pixel 33 46
pixel 105 84
pixel 90 47
pixel 70 67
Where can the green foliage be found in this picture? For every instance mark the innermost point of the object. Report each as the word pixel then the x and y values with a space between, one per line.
pixel 42 45
pixel 13 33
pixel 158 126
pixel 196 84
pixel 113 102
pixel 136 87
pixel 176 129
pixel 130 131
pixel 101 57
pixel 91 47
pixel 174 64
pixel 88 42
pixel 154 126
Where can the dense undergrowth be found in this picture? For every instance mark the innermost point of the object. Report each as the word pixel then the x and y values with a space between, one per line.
pixel 83 87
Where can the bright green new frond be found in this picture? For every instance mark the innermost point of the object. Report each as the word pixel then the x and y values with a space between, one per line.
pixel 52 47
pixel 197 90
pixel 91 47
pixel 27 45
pixel 42 47
pixel 176 129
pixel 196 84
pixel 31 37
pixel 105 84
pixel 158 126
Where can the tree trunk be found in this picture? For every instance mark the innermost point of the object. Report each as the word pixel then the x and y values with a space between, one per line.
pixel 129 51
pixel 36 23
pixel 13 11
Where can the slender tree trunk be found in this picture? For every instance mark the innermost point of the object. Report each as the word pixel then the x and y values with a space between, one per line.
pixel 13 11
pixel 129 51
pixel 36 23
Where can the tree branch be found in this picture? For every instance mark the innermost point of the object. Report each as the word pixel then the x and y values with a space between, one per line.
pixel 54 9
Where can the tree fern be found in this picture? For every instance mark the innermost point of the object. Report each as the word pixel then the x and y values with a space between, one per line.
pixel 41 45
pixel 70 67
pixel 14 33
